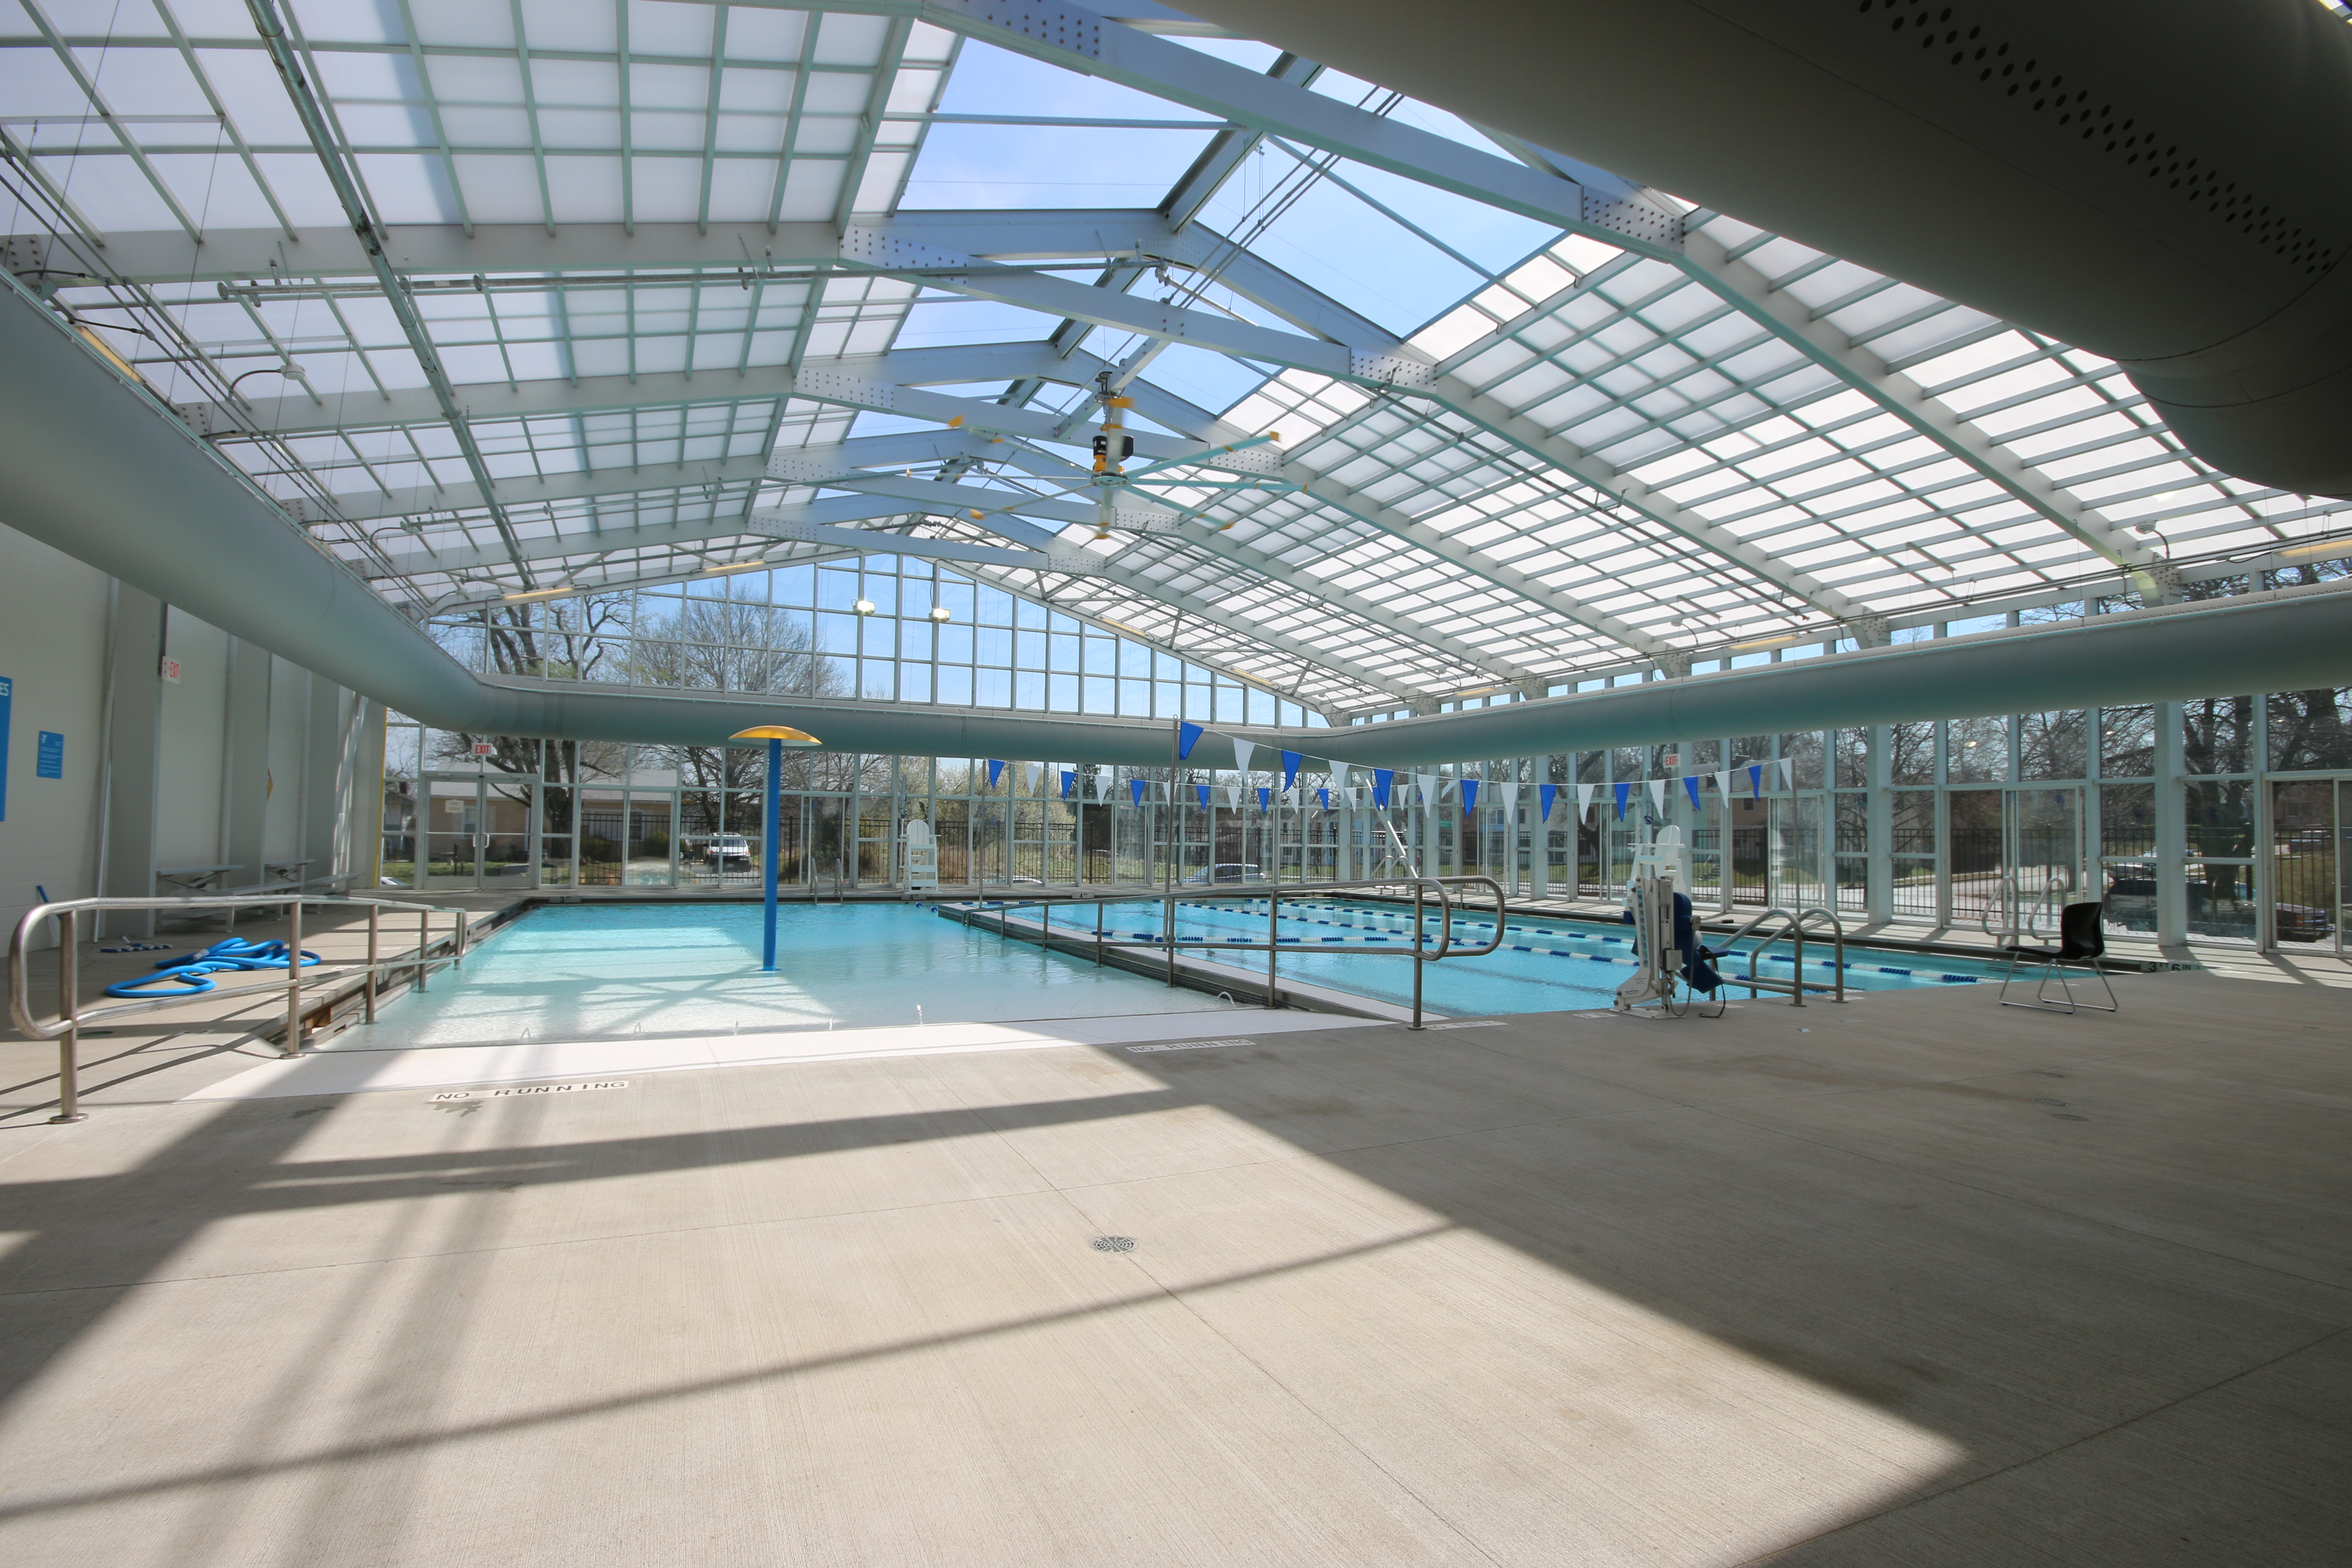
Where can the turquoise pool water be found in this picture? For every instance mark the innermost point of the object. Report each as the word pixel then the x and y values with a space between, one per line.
pixel 1543 966
pixel 573 971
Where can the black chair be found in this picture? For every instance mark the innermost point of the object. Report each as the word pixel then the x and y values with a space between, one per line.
pixel 2081 941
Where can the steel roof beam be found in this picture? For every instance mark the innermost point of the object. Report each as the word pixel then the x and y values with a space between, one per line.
pixel 1819 341
pixel 859 385
pixel 525 490
pixel 166 257
pixel 1209 540
pixel 1596 202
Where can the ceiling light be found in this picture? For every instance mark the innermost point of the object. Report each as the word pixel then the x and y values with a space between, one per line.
pixel 940 613
pixel 864 607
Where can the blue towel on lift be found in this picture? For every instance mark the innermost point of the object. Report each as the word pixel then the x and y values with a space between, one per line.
pixel 1696 956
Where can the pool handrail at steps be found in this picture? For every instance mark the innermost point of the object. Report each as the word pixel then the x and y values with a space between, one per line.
pixel 1273 893
pixel 1793 928
pixel 71 1017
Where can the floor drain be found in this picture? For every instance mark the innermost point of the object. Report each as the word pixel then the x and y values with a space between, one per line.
pixel 1113 1244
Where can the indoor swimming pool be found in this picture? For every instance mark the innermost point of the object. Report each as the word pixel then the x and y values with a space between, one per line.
pixel 1544 966
pixel 577 972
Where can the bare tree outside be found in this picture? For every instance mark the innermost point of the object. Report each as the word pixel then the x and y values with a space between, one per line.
pixel 719 645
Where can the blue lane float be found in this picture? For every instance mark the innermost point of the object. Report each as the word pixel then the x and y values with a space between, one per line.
pixel 193 975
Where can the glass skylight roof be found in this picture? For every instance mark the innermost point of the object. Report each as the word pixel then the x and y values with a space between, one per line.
pixel 622 226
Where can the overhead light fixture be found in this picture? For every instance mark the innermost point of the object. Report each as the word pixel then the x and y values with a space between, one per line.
pixel 941 612
pixel 2340 545
pixel 864 607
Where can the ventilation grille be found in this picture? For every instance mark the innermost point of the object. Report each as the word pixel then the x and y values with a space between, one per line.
pixel 2072 108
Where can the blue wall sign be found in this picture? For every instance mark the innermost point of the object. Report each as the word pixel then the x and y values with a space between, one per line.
pixel 49 762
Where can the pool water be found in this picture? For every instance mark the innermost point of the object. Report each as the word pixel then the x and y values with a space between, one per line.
pixel 1544 965
pixel 575 971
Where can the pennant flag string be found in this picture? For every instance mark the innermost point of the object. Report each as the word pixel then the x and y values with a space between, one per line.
pixel 1290 761
pixel 1690 782
pixel 1624 790
pixel 1135 788
pixel 1545 795
pixel 1469 794
pixel 1186 737
pixel 995 771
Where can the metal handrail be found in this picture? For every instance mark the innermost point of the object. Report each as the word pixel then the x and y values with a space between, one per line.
pixel 1792 926
pixel 1169 942
pixel 67 1030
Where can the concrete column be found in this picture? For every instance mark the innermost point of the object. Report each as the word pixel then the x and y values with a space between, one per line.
pixel 359 824
pixel 1879 805
pixel 327 776
pixel 1539 828
pixel 2171 830
pixel 245 784
pixel 134 742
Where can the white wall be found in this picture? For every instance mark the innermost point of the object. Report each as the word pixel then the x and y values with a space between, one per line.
pixel 53 649
pixel 188 828
pixel 290 714
pixel 55 634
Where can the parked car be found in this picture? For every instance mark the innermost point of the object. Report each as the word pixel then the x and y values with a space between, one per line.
pixel 726 848
pixel 1229 871
pixel 2301 923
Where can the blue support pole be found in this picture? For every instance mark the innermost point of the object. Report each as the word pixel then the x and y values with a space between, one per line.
pixel 769 846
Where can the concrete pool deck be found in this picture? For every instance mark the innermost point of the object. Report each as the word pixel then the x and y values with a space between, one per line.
pixel 1838 1287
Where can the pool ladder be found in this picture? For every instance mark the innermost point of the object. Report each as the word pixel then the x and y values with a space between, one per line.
pixel 303 990
pixel 1422 951
pixel 1793 931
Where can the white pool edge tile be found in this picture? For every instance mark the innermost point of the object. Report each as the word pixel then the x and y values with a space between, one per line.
pixel 446 1067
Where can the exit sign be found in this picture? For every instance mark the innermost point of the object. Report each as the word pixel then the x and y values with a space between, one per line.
pixel 171 671
pixel 483 748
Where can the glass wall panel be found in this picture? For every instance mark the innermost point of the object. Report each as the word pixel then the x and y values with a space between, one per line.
pixel 2126 821
pixel 396 854
pixel 603 830
pixel 507 852
pixel 1975 863
pixel 1751 839
pixel 2054 746
pixel 2221 899
pixel 1976 750
pixel 1802 752
pixel 1852 759
pixel 2220 818
pixel 2310 729
pixel 652 840
pixel 703 848
pixel 1911 753
pixel 2127 742
pixel 1798 868
pixel 2305 842
pixel 2217 735
pixel 1913 821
